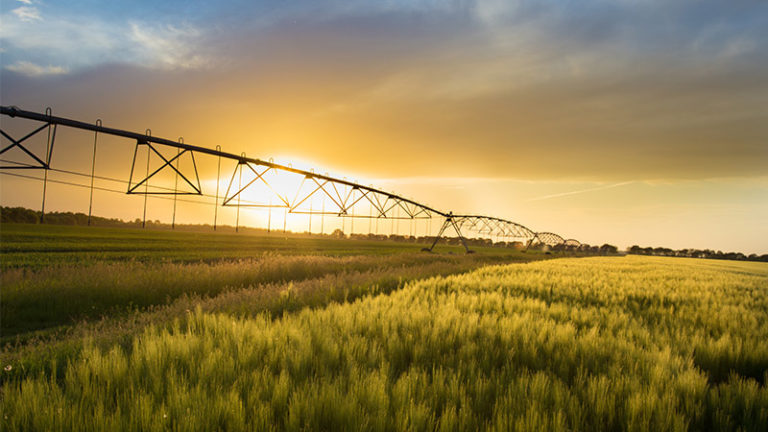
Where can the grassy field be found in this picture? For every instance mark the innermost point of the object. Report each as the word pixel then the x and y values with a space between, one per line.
pixel 55 276
pixel 39 246
pixel 394 342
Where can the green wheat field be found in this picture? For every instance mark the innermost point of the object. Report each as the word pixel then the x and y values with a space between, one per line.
pixel 116 329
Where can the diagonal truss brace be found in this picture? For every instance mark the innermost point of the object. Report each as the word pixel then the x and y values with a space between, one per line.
pixel 240 188
pixel 547 238
pixel 494 226
pixel 41 163
pixel 344 200
pixel 449 222
pixel 133 188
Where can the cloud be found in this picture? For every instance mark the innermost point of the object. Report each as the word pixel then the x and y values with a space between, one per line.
pixel 602 90
pixel 31 69
pixel 82 42
pixel 167 47
pixel 27 13
pixel 581 191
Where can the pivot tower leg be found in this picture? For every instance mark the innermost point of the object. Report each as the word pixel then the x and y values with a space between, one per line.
pixel 449 222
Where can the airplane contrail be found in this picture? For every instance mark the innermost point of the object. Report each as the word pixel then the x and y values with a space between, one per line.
pixel 580 191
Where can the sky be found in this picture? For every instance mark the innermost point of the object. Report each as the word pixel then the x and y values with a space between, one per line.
pixel 624 121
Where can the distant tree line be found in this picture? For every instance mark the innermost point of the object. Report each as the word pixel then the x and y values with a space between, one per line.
pixel 606 249
pixel 25 215
pixel 696 253
pixel 583 249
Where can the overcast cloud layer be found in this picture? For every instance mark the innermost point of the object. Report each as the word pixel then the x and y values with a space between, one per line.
pixel 595 90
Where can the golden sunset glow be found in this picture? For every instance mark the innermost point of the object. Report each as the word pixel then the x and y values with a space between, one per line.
pixel 400 215
pixel 608 126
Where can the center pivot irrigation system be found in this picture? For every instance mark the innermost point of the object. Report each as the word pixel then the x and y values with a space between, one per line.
pixel 343 195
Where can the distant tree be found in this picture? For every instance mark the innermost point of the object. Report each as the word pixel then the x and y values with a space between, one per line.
pixel 695 253
pixel 19 215
pixel 337 233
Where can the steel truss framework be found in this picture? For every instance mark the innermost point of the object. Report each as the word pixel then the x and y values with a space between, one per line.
pixel 343 195
pixel 134 188
pixel 572 243
pixel 548 238
pixel 494 227
pixel 37 161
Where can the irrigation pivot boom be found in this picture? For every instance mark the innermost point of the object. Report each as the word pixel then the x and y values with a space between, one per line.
pixel 343 194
